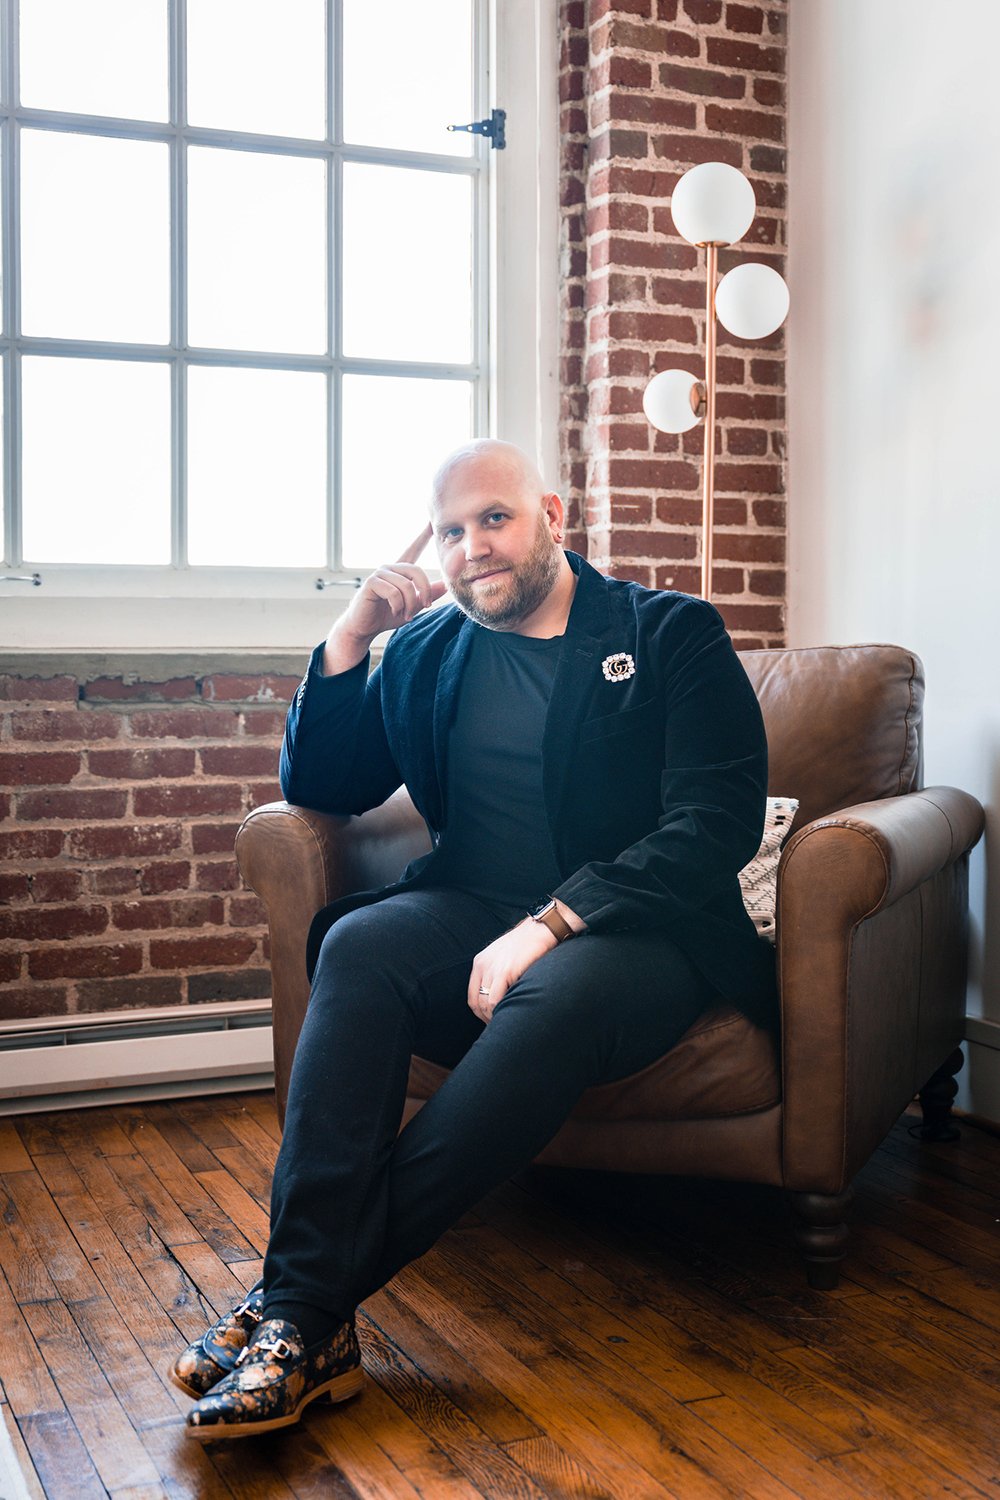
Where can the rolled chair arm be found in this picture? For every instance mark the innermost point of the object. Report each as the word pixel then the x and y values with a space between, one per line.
pixel 297 861
pixel 873 853
pixel 327 855
pixel 872 953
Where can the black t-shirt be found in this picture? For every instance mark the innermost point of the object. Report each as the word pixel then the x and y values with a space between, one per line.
pixel 496 843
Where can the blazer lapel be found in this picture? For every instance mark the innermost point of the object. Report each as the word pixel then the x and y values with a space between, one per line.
pixel 453 661
pixel 589 633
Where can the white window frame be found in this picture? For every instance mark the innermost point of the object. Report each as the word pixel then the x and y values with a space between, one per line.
pixel 112 608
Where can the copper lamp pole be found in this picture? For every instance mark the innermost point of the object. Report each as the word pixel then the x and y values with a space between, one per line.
pixel 708 476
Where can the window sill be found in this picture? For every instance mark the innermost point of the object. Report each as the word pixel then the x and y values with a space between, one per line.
pixel 151 665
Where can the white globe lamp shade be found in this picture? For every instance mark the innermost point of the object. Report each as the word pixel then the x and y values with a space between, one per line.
pixel 667 401
pixel 751 301
pixel 713 204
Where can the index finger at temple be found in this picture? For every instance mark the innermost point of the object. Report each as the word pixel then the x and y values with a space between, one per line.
pixel 413 551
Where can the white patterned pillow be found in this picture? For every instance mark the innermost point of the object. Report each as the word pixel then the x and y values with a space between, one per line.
pixel 759 879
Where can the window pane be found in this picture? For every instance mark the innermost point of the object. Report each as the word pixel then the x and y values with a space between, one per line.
pixel 257 468
pixel 422 82
pixel 95 238
pixel 407 264
pixel 396 433
pixel 108 57
pixel 3 466
pixel 96 461
pixel 256 251
pixel 253 65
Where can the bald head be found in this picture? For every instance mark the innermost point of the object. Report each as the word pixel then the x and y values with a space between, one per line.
pixel 485 459
pixel 499 537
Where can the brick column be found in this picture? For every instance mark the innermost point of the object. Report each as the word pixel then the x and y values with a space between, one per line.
pixel 650 88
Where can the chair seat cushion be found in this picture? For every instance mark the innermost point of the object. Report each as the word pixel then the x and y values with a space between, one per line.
pixel 722 1065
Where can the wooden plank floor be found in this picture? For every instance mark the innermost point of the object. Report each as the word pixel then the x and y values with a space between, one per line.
pixel 576 1335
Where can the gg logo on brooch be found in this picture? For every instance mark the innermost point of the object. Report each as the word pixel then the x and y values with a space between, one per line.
pixel 619 667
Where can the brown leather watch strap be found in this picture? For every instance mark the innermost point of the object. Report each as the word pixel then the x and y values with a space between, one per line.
pixel 550 918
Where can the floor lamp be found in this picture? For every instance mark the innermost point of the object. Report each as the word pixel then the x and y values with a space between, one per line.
pixel 713 205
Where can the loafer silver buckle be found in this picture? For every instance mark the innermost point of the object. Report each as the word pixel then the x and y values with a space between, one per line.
pixel 246 1311
pixel 280 1348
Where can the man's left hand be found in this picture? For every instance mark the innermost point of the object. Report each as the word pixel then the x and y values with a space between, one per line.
pixel 501 964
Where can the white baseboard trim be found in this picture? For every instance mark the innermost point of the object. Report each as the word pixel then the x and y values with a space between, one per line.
pixel 113 1059
pixel 983 1032
pixel 181 1088
pixel 16 1483
pixel 979 1080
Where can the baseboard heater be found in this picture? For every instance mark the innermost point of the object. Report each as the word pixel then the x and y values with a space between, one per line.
pixel 68 1061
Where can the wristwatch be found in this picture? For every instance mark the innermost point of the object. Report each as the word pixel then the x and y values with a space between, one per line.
pixel 548 915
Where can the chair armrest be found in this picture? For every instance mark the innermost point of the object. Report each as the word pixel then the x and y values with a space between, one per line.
pixel 297 861
pixel 316 857
pixel 872 955
pixel 877 851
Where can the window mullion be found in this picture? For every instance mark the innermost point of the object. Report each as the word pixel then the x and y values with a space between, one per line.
pixel 335 102
pixel 482 209
pixel 13 528
pixel 177 14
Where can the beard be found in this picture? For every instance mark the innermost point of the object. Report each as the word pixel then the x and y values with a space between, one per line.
pixel 518 591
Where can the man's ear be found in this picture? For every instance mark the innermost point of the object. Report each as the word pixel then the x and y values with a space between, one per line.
pixel 555 511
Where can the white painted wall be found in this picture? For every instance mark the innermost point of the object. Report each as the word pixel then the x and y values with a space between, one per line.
pixel 894 350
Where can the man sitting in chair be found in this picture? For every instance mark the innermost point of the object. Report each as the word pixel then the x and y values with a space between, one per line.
pixel 590 760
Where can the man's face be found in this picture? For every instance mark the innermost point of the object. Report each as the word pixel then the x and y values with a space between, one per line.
pixel 496 544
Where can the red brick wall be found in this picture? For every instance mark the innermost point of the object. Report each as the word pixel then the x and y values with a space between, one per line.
pixel 648 89
pixel 119 804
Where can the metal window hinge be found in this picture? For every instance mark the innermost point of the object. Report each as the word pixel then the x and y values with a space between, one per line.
pixel 495 128
pixel 34 578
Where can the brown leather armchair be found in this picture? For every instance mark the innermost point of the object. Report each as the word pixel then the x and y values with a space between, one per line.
pixel 872 927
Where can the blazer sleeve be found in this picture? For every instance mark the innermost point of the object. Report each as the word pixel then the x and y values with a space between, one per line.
pixel 713 789
pixel 335 755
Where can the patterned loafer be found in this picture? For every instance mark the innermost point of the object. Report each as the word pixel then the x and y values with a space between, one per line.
pixel 204 1363
pixel 275 1379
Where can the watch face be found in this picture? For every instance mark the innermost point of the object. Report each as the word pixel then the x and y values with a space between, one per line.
pixel 540 911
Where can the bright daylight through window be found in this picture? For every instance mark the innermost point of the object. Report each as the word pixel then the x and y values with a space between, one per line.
pixel 245 295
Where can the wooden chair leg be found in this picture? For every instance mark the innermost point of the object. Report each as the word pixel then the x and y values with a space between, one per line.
pixel 936 1098
pixel 821 1234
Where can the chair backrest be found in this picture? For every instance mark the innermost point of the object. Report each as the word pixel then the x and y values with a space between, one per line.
pixel 844 723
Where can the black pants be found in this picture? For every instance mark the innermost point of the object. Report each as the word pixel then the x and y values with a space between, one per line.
pixel 353 1202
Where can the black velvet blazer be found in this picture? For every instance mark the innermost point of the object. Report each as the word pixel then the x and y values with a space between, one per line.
pixel 654 766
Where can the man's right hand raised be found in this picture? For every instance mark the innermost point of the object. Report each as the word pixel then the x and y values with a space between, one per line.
pixel 390 596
